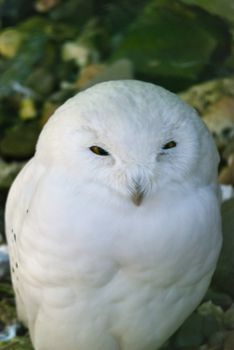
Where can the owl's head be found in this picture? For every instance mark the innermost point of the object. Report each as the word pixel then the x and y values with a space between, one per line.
pixel 129 137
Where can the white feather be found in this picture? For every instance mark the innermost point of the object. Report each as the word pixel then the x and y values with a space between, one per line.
pixel 91 269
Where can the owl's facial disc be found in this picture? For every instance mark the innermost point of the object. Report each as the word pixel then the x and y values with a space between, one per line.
pixel 135 178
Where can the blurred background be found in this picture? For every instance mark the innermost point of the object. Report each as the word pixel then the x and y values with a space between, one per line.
pixel 52 49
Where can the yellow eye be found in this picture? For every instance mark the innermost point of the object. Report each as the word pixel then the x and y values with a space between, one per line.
pixel 170 144
pixel 99 151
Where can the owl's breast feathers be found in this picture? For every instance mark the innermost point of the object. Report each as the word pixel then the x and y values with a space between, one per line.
pixel 82 252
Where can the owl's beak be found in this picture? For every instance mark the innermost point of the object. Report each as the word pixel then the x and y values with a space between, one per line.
pixel 137 197
pixel 139 184
pixel 137 194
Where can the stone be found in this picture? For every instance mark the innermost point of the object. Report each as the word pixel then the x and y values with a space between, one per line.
pixel 219 118
pixel 157 44
pixel 203 96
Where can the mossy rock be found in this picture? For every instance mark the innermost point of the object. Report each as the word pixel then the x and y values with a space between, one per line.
pixel 171 44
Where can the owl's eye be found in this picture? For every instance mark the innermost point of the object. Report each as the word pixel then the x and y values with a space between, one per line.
pixel 170 144
pixel 99 151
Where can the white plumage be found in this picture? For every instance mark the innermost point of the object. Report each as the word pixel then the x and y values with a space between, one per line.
pixel 113 246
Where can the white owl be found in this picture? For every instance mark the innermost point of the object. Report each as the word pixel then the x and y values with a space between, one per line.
pixel 114 225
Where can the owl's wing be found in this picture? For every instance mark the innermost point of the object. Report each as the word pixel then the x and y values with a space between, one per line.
pixel 18 202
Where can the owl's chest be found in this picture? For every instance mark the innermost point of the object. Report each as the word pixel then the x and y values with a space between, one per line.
pixel 90 242
pixel 90 262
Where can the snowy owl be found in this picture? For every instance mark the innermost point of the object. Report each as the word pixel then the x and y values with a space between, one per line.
pixel 114 225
